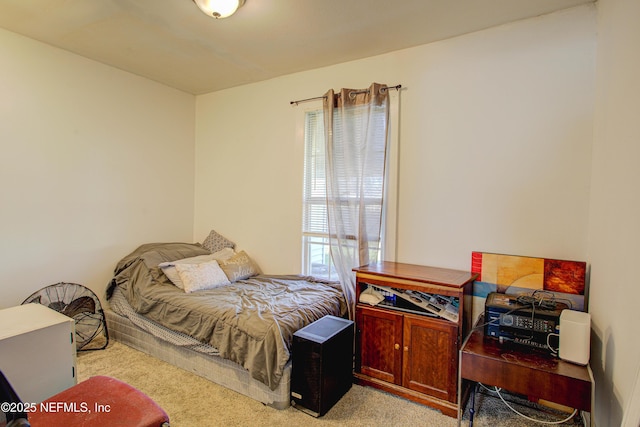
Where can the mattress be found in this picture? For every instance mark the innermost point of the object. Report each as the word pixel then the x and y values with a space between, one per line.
pixel 213 368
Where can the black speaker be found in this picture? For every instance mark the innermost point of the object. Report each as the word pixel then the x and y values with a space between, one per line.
pixel 322 364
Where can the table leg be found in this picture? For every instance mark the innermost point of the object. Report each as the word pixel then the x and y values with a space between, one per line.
pixel 472 408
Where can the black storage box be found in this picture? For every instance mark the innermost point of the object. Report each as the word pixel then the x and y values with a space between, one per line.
pixel 322 364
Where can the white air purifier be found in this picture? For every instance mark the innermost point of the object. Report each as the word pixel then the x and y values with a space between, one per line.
pixel 575 336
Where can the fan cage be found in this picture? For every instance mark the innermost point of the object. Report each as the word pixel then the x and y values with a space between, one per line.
pixel 83 306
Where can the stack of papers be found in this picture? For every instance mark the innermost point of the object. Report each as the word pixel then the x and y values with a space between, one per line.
pixel 443 306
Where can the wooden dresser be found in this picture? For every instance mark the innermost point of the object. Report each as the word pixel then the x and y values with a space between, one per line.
pixel 406 351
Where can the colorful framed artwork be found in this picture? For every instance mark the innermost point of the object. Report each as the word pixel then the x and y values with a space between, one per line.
pixel 517 275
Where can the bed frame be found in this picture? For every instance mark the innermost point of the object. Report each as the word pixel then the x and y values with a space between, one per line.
pixel 216 369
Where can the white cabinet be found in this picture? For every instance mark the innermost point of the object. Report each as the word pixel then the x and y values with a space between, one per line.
pixel 37 351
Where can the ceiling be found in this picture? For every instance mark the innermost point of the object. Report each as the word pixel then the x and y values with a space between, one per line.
pixel 172 42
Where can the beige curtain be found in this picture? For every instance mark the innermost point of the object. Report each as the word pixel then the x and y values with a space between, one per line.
pixel 356 137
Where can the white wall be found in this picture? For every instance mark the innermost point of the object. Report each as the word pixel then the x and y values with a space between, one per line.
pixel 495 155
pixel 615 211
pixel 93 162
pixel 495 147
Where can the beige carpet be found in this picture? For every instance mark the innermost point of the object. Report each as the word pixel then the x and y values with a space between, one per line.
pixel 192 401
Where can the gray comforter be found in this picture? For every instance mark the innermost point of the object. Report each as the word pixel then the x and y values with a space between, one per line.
pixel 250 322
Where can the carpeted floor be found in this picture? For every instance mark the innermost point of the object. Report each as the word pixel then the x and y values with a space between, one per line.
pixel 192 401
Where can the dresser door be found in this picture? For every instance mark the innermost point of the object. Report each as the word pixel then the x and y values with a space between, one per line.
pixel 430 356
pixel 379 341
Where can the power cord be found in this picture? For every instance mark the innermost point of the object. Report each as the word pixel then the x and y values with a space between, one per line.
pixel 534 300
pixel 554 351
pixel 497 391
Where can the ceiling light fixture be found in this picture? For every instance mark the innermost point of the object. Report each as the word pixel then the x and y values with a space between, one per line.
pixel 219 8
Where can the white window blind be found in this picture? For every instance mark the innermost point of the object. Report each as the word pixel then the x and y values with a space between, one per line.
pixel 315 230
pixel 314 195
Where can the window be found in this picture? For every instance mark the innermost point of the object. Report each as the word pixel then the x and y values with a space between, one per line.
pixel 315 231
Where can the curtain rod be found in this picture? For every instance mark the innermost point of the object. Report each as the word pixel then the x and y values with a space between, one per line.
pixel 396 87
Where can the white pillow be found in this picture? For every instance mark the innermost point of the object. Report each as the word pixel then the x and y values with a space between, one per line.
pixel 199 277
pixel 168 267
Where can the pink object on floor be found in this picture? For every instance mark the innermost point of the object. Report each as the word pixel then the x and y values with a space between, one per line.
pixel 99 401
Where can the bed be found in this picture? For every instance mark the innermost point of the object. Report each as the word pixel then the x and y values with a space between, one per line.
pixel 171 301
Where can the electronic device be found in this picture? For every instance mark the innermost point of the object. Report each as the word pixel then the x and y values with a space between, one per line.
pixel 575 336
pixel 322 364
pixel 526 320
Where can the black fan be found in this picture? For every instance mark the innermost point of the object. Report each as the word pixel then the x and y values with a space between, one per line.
pixel 82 305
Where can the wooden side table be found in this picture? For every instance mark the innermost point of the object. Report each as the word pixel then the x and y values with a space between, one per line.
pixel 525 371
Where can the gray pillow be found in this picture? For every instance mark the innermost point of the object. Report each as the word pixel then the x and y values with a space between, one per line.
pixel 216 242
pixel 239 267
